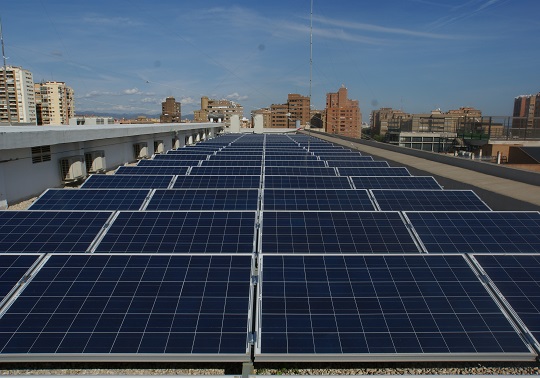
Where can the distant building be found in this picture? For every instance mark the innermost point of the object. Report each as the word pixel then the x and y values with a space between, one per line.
pixel 170 111
pixel 266 114
pixel 19 84
pixel 526 112
pixel 91 121
pixel 297 108
pixel 343 116
pixel 55 103
pixel 217 110
pixel 385 118
pixel 142 119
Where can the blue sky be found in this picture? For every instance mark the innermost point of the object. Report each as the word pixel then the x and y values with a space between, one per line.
pixel 126 56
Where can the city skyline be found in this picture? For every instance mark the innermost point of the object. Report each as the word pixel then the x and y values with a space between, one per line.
pixel 417 55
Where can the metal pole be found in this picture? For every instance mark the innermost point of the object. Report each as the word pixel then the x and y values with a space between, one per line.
pixel 5 75
pixel 310 50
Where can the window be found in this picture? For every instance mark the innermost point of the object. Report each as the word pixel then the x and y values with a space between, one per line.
pixel 41 154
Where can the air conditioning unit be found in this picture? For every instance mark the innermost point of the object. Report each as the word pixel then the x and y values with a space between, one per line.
pixel 141 150
pixel 158 147
pixel 72 168
pixel 95 161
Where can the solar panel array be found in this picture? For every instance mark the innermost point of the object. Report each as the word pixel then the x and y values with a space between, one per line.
pixel 267 248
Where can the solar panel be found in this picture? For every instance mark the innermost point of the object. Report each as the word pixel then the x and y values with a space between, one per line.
pixel 302 199
pixel 306 182
pixel 355 164
pixel 380 307
pixel 350 161
pixel 12 270
pixel 204 199
pixel 232 157
pixel 168 170
pixel 294 163
pixel 49 231
pixel 127 182
pixel 299 171
pixel 195 182
pixel 167 163
pixel 289 157
pixel 395 182
pixel 335 232
pixel 231 163
pixel 224 170
pixel 91 199
pixel 428 200
pixel 180 157
pixel 192 308
pixel 517 278
pixel 180 232
pixel 477 232
pixel 377 171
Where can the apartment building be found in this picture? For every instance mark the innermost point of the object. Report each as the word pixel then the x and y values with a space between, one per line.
pixel 526 112
pixel 55 103
pixel 343 116
pixel 17 96
pixel 171 111
pixel 217 110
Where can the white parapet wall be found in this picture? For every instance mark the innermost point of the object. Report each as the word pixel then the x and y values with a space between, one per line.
pixel 30 155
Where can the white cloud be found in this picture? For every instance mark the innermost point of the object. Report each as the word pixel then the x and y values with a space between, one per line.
pixel 236 97
pixel 132 91
pixel 187 101
pixel 150 100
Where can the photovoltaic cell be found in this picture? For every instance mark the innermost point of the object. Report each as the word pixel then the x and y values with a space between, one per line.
pixel 223 170
pixel 377 171
pixel 231 163
pixel 335 232
pixel 204 199
pixel 357 164
pixel 121 307
pixel 428 200
pixel 296 163
pixel 306 182
pixel 368 307
pixel 181 157
pixel 477 232
pixel 12 270
pixel 517 278
pixel 395 182
pixel 127 182
pixel 91 199
pixel 299 171
pixel 49 231
pixel 195 182
pixel 301 199
pixel 167 163
pixel 180 232
pixel 156 170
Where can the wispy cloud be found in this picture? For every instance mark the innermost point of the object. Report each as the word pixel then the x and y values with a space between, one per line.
pixel 469 9
pixel 103 20
pixel 236 97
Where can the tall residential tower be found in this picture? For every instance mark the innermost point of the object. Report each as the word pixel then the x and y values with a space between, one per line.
pixel 18 89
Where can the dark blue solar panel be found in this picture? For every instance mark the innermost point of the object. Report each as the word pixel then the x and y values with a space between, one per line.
pixel 478 232
pixel 306 182
pixel 353 164
pixel 194 182
pixel 224 170
pixel 335 232
pixel 91 199
pixel 377 171
pixel 428 200
pixel 231 163
pixel 151 170
pixel 294 163
pixel 289 157
pixel 299 171
pixel 302 199
pixel 395 182
pixel 204 199
pixel 12 270
pixel 167 163
pixel 180 232
pixel 180 157
pixel 191 306
pixel 319 307
pixel 231 157
pixel 127 182
pixel 517 278
pixel 49 231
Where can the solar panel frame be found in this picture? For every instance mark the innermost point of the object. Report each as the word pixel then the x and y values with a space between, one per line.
pixel 132 308
pixel 13 269
pixel 374 308
pixel 428 200
pixel 153 170
pixel 127 181
pixel 204 199
pixel 295 163
pixel 190 157
pixel 476 231
pixel 357 164
pixel 180 232
pixel 91 199
pixel 335 232
pixel 37 231
pixel 231 163
pixel 395 182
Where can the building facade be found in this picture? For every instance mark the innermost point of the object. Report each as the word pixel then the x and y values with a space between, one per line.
pixel 285 116
pixel 55 103
pixel 17 96
pixel 217 110
pixel 171 111
pixel 526 113
pixel 342 115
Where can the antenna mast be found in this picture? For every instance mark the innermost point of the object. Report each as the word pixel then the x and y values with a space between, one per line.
pixel 310 49
pixel 5 76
